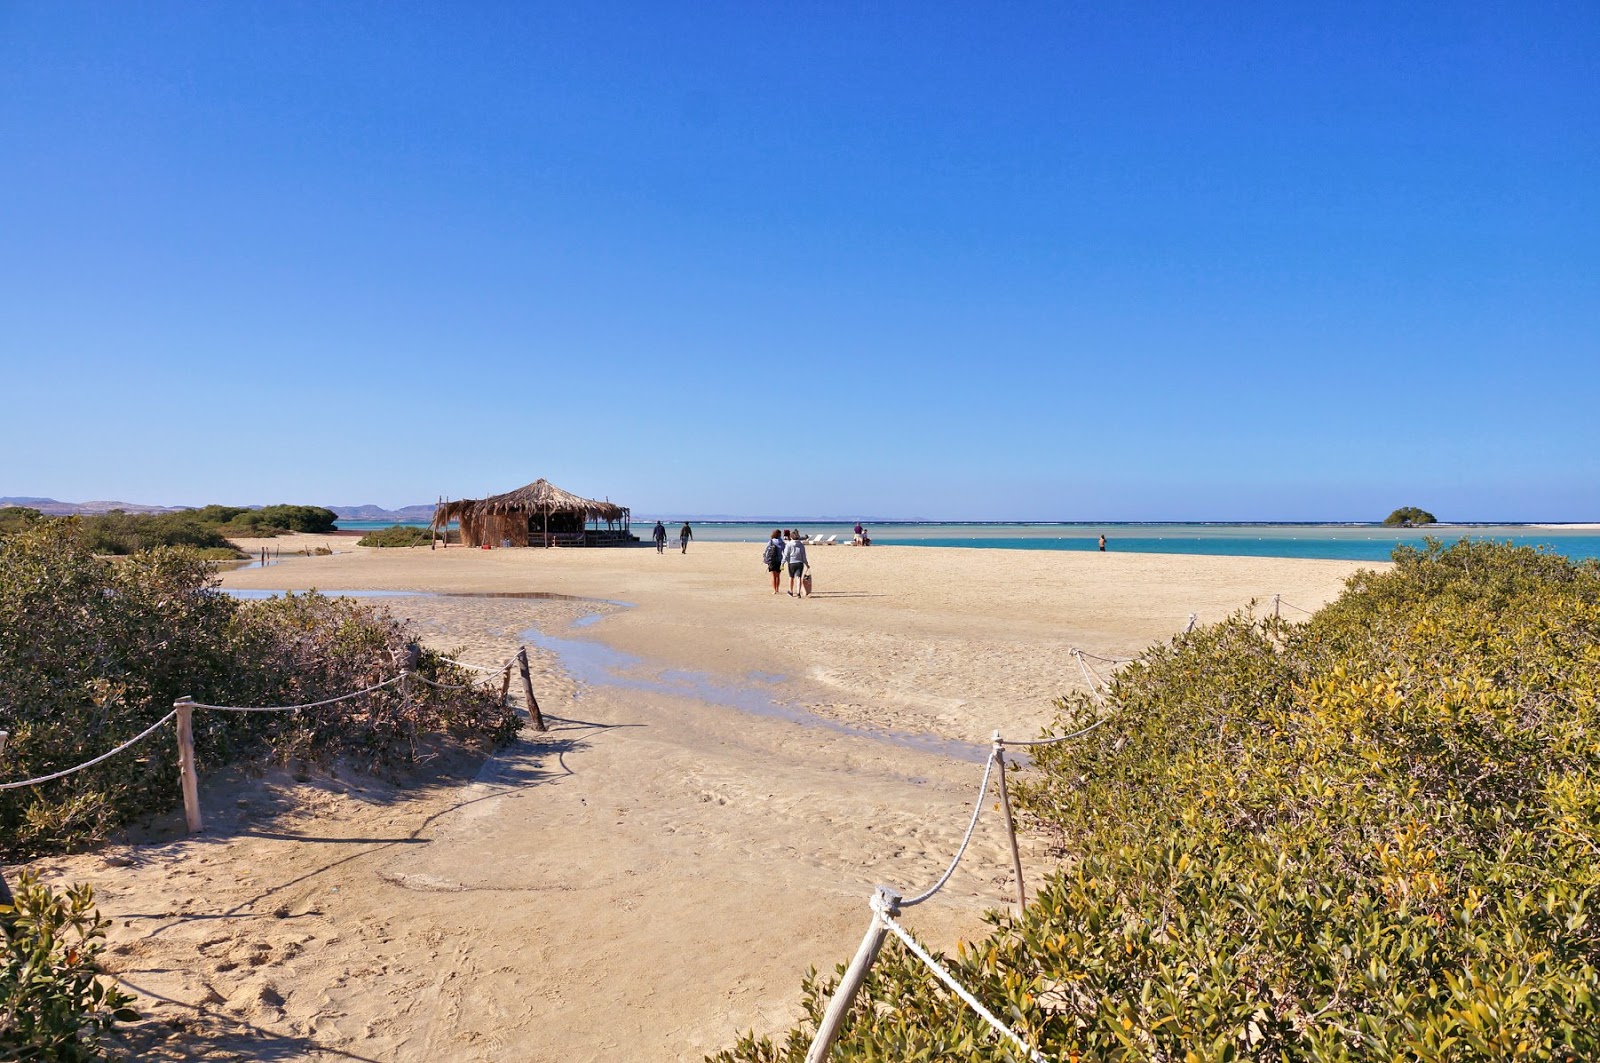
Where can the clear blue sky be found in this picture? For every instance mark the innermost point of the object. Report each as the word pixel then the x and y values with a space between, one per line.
pixel 1030 261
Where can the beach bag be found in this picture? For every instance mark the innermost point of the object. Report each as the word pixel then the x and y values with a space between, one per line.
pixel 805 582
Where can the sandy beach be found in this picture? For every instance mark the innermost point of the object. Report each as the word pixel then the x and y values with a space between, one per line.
pixel 726 776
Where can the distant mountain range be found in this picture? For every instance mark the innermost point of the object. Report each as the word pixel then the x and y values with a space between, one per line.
pixel 54 508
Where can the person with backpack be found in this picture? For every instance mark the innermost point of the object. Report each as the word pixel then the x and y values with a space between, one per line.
pixel 772 557
pixel 794 556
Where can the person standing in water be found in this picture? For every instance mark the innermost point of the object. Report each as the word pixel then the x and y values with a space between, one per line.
pixel 1102 542
pixel 660 536
pixel 684 535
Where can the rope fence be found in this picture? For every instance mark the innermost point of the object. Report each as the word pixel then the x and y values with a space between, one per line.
pixel 183 709
pixel 886 902
pixel 147 732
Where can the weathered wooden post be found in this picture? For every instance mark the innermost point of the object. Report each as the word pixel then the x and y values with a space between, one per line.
pixel 1011 827
pixel 1277 603
pixel 186 771
pixel 527 688
pixel 505 685
pixel 5 890
pixel 888 901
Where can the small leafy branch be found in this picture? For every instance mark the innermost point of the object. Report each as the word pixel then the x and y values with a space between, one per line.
pixel 52 1004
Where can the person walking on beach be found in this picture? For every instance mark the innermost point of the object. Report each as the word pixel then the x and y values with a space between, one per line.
pixel 794 556
pixel 1102 542
pixel 660 536
pixel 772 557
pixel 684 535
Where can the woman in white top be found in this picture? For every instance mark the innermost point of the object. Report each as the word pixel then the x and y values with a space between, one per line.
pixel 794 556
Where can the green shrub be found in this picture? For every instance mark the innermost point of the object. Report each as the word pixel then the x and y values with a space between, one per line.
pixel 1374 836
pixel 312 519
pixel 121 533
pixel 1409 515
pixel 18 518
pixel 397 535
pixel 93 652
pixel 52 1007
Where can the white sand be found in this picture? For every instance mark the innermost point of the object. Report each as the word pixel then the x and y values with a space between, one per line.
pixel 653 875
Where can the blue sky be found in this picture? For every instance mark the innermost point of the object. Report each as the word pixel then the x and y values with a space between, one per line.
pixel 1028 261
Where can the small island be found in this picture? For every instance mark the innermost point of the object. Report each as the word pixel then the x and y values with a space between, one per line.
pixel 1409 517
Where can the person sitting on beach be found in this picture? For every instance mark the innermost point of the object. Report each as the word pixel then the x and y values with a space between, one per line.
pixel 794 556
pixel 772 556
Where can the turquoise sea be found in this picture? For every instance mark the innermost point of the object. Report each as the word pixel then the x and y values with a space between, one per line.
pixel 1348 542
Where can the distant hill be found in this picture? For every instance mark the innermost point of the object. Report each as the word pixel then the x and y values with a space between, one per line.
pixel 54 508
pixel 403 515
pixel 51 507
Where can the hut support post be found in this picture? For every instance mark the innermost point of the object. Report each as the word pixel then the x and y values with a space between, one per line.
pixel 527 688
pixel 188 778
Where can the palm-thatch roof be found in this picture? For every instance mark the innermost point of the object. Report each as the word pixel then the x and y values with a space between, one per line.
pixel 507 516
pixel 542 496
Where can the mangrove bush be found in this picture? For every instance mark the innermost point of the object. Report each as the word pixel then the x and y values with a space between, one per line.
pixel 1372 836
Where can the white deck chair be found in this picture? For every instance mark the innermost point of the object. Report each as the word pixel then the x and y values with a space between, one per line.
pixel 830 540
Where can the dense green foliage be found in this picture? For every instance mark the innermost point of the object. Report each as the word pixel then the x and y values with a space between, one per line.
pixel 128 533
pixel 206 529
pixel 1373 836
pixel 92 652
pixel 17 518
pixel 269 519
pixel 1409 515
pixel 397 535
pixel 52 1007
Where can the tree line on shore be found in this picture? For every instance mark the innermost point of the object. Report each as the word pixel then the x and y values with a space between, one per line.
pixel 206 529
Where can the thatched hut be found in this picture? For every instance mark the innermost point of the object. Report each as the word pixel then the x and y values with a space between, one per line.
pixel 540 514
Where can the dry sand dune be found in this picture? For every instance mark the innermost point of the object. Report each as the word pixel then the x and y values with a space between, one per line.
pixel 727 775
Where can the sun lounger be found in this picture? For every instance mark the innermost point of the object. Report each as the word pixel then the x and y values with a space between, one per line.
pixel 830 540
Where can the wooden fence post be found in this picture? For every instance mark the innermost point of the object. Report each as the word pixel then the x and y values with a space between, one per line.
pixel 1011 827
pixel 505 685
pixel 850 984
pixel 1277 605
pixel 5 890
pixel 186 771
pixel 527 688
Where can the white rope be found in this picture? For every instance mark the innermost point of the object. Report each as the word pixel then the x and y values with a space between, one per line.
pixel 1090 677
pixel 496 670
pixel 1296 608
pixel 955 987
pixel 306 705
pixel 1058 738
pixel 977 810
pixel 1108 660
pixel 91 763
pixel 474 685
